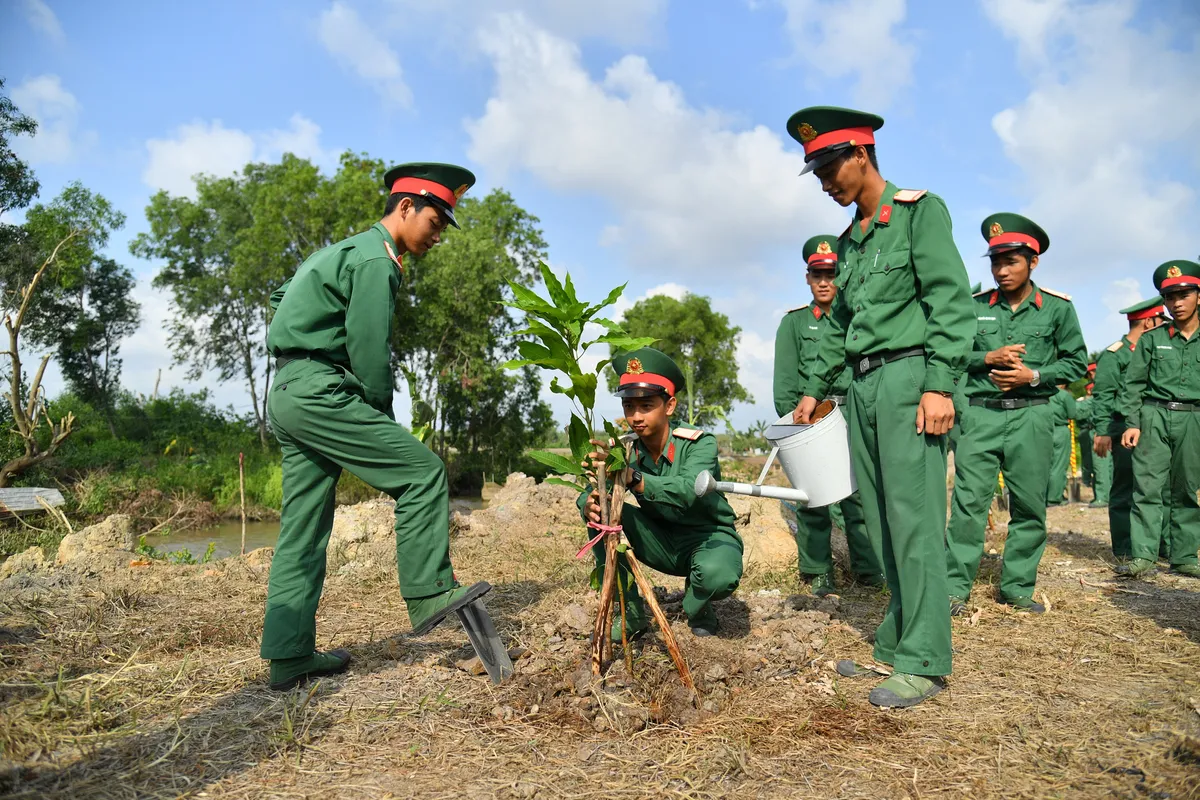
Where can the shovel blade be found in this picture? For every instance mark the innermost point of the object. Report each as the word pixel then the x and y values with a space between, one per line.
pixel 485 640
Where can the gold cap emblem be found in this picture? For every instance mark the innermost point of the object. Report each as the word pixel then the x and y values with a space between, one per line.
pixel 995 230
pixel 634 367
pixel 1174 272
pixel 824 249
pixel 460 191
pixel 807 132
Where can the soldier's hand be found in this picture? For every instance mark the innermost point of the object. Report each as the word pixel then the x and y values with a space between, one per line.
pixel 1102 445
pixel 1131 438
pixel 803 413
pixel 935 414
pixel 1008 356
pixel 1006 379
pixel 592 508
pixel 595 459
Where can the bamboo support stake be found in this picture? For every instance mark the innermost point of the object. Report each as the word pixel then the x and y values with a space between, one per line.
pixel 608 588
pixel 647 591
pixel 242 491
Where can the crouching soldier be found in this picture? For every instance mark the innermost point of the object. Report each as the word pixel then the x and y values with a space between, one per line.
pixel 670 529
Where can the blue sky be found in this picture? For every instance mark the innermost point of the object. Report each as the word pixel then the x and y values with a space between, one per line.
pixel 646 134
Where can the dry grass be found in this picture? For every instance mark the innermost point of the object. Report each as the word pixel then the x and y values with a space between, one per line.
pixel 150 686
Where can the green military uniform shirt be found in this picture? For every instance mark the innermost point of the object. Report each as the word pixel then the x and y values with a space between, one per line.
pixel 1165 366
pixel 339 306
pixel 1046 323
pixel 1110 378
pixel 669 486
pixel 796 345
pixel 901 285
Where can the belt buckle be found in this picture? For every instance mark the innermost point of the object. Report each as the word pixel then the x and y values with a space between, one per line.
pixel 1173 406
pixel 864 365
pixel 1008 405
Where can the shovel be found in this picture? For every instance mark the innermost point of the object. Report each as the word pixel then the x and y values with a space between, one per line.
pixel 485 640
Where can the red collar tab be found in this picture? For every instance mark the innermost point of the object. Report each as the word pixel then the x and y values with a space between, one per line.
pixel 816 309
pixel 392 255
pixel 1009 238
pixel 424 187
pixel 1037 299
pixel 885 214
pixel 1171 331
pixel 854 136
pixel 995 298
pixel 671 452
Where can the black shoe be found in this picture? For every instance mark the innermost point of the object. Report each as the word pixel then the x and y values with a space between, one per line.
pixel 958 606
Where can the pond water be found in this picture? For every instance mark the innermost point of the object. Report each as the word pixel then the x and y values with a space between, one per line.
pixel 228 535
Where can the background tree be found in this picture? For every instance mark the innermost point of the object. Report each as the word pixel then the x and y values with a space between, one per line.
pixel 238 241
pixel 701 341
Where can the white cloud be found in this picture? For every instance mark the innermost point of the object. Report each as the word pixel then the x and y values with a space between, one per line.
pixel 56 110
pixel 42 19
pixel 357 46
pixel 1105 137
pixel 212 149
pixel 691 190
pixel 623 303
pixel 860 39
pixel 621 22
pixel 756 371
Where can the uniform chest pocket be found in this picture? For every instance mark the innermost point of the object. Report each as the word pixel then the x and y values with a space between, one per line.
pixel 891 277
pixel 1164 365
pixel 987 331
pixel 1040 348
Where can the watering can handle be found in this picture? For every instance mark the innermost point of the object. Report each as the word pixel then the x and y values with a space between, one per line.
pixel 707 484
pixel 766 467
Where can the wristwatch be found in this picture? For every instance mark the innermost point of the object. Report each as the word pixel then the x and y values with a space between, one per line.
pixel 1037 378
pixel 634 481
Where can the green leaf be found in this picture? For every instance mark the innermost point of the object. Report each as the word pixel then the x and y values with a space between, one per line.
pixel 558 388
pixel 604 362
pixel 580 438
pixel 557 294
pixel 585 389
pixel 554 461
pixel 528 301
pixel 615 461
pixel 561 482
pixel 517 363
pixel 623 341
pixel 613 296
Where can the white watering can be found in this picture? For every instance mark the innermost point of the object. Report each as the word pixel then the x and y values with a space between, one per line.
pixel 815 458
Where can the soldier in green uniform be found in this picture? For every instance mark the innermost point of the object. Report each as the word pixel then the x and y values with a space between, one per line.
pixel 796 344
pixel 1161 405
pixel 1066 410
pixel 902 319
pixel 1027 339
pixel 1097 470
pixel 1110 424
pixel 670 529
pixel 331 409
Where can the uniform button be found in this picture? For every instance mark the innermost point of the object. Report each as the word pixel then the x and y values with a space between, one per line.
pixel 440 583
pixel 1010 336
pixel 855 336
pixel 862 279
pixel 858 308
pixel 924 663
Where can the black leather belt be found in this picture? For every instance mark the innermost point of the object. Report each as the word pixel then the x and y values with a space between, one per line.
pixel 1009 404
pixel 867 363
pixel 1171 405
pixel 285 358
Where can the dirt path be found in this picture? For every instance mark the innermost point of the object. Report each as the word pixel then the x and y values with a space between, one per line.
pixel 147 683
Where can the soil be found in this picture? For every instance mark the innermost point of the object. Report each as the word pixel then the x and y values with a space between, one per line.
pixel 126 678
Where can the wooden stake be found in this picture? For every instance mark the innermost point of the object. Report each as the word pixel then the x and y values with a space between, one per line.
pixel 242 491
pixel 647 590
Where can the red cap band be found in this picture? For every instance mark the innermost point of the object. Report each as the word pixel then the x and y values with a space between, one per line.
pixel 422 186
pixel 1157 311
pixel 821 259
pixel 855 136
pixel 1182 280
pixel 648 377
pixel 1017 239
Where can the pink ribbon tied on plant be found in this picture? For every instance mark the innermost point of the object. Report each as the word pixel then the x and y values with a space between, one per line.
pixel 605 530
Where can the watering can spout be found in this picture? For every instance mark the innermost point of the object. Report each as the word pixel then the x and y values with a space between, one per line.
pixel 707 484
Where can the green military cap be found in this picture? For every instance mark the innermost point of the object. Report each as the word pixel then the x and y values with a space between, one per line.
pixel 1145 309
pixel 821 251
pixel 1184 274
pixel 825 131
pixel 977 288
pixel 1005 231
pixel 444 184
pixel 646 372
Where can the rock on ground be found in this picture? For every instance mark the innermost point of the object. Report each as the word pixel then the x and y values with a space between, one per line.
pixel 100 548
pixel 30 561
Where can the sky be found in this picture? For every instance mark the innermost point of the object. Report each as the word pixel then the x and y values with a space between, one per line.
pixel 647 135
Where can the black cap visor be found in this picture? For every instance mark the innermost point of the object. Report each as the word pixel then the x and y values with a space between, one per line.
pixel 825 156
pixel 445 208
pixel 640 390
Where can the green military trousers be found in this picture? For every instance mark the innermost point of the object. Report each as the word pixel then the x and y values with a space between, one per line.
pixel 1102 471
pixel 1087 465
pixel 1017 441
pixel 710 560
pixel 323 425
pixel 901 478
pixel 814 526
pixel 1060 463
pixel 1120 504
pixel 1167 458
